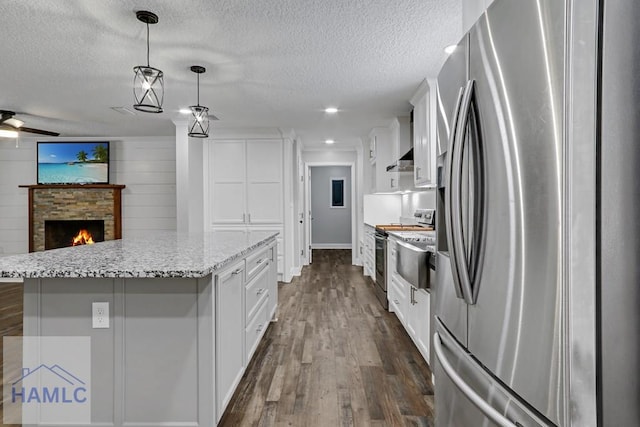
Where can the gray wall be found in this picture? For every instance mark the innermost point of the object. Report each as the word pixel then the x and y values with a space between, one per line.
pixel 330 226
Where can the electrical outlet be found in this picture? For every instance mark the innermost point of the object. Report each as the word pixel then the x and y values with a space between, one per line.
pixel 100 315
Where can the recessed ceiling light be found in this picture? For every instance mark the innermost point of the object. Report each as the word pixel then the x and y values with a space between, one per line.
pixel 331 110
pixel 329 141
pixel 185 111
pixel 450 49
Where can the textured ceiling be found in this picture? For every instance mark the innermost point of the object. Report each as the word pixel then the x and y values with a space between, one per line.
pixel 270 63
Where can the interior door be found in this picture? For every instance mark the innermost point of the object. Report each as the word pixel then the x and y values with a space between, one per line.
pixel 515 325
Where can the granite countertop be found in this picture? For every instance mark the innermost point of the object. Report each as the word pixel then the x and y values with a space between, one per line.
pixel 165 254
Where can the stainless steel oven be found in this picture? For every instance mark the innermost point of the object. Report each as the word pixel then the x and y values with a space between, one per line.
pixel 381 267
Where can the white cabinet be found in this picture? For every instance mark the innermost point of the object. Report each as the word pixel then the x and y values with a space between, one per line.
pixel 273 281
pixel 246 300
pixel 257 298
pixel 229 333
pixel 421 313
pixel 411 305
pixel 391 143
pixel 373 144
pixel 381 180
pixel 245 189
pixel 400 144
pixel 264 182
pixel 424 135
pixel 245 182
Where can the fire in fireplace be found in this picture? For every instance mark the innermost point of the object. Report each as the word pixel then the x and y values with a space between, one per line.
pixel 63 233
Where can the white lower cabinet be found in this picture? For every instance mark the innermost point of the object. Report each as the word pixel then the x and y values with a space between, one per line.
pixel 411 305
pixel 242 231
pixel 229 333
pixel 246 301
pixel 256 327
pixel 273 281
pixel 421 314
pixel 418 323
pixel 399 301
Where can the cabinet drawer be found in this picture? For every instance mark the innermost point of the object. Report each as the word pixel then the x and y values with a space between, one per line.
pixel 256 262
pixel 256 328
pixel 255 291
pixel 398 299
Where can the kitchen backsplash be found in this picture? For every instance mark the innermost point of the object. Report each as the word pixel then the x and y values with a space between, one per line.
pixel 418 200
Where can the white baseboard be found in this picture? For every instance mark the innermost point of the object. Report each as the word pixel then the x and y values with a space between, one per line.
pixel 296 271
pixel 331 246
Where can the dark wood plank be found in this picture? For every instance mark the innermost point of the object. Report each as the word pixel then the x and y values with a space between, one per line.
pixel 336 359
pixel 11 311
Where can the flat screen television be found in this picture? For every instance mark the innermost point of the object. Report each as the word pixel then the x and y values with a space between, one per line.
pixel 73 162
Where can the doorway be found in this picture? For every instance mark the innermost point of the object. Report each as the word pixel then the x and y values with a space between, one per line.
pixel 330 208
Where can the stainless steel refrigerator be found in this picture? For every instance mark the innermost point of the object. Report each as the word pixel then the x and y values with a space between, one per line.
pixel 537 299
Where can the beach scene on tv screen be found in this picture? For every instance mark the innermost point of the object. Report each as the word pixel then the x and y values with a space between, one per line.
pixel 69 163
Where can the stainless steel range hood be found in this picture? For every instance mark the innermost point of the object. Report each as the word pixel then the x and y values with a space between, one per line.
pixel 404 163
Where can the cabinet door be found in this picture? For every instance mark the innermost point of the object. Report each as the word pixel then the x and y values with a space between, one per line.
pixel 373 142
pixel 399 302
pixel 273 282
pixel 228 188
pixel 229 333
pixel 264 181
pixel 413 312
pixel 424 117
pixel 423 322
pixel 419 140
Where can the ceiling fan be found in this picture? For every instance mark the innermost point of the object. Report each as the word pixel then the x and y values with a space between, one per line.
pixel 10 126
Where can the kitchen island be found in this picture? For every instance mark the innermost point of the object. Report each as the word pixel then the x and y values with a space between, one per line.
pixel 184 314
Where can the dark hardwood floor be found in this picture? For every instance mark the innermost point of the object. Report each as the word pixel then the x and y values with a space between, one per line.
pixel 11 296
pixel 334 358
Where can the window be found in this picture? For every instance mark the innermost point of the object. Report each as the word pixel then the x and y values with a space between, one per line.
pixel 337 192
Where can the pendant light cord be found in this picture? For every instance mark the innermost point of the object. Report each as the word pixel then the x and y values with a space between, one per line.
pixel 148 45
pixel 198 74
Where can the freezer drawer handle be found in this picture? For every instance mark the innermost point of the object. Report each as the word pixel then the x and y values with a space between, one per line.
pixel 480 403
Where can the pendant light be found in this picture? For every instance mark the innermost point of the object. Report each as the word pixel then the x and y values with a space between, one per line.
pixel 199 121
pixel 148 82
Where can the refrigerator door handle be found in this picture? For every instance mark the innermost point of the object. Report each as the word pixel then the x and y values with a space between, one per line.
pixel 478 401
pixel 448 217
pixel 460 246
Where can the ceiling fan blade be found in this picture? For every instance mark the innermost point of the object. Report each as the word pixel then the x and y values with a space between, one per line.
pixel 14 122
pixel 38 131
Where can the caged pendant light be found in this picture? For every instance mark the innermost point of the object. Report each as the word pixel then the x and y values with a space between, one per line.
pixel 148 82
pixel 199 121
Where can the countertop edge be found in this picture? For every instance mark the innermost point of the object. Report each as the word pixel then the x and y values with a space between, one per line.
pixel 142 273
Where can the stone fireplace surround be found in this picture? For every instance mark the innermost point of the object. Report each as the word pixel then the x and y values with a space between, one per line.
pixel 74 202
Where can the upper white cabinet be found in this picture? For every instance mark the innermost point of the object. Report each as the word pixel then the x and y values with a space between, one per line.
pixel 264 181
pixel 424 135
pixel 390 143
pixel 382 180
pixel 400 127
pixel 246 182
pixel 373 143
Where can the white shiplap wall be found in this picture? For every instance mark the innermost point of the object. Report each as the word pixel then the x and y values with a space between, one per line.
pixel 146 165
